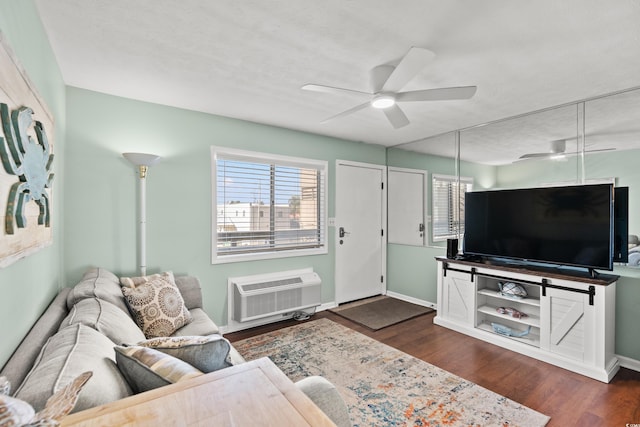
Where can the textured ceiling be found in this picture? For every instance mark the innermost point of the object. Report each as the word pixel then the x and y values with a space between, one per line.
pixel 248 59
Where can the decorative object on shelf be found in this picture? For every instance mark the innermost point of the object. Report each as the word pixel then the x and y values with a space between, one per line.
pixel 510 311
pixel 16 412
pixel 26 152
pixel 512 290
pixel 142 161
pixel 29 161
pixel 505 330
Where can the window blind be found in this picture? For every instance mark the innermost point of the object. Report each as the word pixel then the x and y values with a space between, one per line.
pixel 448 205
pixel 268 205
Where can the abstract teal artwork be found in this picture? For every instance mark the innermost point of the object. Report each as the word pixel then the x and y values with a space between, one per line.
pixel 30 161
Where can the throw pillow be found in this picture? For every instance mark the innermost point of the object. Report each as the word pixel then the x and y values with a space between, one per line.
pixel 146 368
pixel 208 353
pixel 157 306
pixel 132 282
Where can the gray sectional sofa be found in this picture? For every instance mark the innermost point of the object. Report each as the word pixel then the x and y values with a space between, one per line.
pixel 80 329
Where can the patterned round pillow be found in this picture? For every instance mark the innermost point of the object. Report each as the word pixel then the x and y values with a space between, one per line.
pixel 512 290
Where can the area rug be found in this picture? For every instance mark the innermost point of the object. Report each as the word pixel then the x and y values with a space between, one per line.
pixel 379 312
pixel 383 386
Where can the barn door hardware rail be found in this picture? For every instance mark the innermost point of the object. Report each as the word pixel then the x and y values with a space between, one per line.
pixel 544 283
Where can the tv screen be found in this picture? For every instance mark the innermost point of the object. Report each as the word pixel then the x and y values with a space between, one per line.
pixel 571 225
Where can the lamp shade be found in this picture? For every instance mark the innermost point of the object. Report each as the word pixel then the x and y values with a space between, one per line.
pixel 142 159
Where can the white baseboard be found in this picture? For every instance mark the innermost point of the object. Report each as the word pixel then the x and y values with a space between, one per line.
pixel 412 300
pixel 627 362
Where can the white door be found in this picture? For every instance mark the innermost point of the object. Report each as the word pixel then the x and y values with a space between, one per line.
pixel 359 231
pixel 406 206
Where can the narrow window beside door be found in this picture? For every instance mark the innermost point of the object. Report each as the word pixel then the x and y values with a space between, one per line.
pixel 448 205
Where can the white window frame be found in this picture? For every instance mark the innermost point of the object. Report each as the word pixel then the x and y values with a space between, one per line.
pixel 468 181
pixel 280 160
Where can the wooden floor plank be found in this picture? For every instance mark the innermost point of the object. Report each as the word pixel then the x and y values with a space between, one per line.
pixel 568 398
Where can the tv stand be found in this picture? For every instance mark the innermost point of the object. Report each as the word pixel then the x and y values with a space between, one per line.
pixel 568 319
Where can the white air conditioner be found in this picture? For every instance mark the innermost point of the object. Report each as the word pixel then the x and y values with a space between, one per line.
pixel 266 295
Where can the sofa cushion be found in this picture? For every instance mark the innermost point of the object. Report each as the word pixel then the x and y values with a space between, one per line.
pixel 208 353
pixel 105 318
pixel 200 325
pixel 67 354
pixel 156 304
pixel 146 368
pixel 98 283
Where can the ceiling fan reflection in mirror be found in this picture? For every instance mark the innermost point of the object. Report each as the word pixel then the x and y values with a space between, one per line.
pixel 386 81
pixel 558 151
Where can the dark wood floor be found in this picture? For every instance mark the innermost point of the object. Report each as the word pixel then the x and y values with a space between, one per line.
pixel 568 398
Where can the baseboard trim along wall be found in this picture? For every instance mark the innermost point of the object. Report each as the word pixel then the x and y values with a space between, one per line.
pixel 412 300
pixel 627 362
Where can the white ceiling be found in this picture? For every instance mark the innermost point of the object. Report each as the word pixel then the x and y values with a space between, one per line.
pixel 248 59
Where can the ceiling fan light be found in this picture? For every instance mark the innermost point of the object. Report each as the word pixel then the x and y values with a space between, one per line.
pixel 383 101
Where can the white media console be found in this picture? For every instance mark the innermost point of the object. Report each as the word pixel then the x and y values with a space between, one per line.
pixel 570 319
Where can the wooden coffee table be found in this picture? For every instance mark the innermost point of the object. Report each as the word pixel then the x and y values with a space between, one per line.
pixel 255 393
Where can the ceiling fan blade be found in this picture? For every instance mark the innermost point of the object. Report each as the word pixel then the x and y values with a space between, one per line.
pixel 347 112
pixel 562 153
pixel 396 117
pixel 440 94
pixel 331 89
pixel 538 155
pixel 378 76
pixel 414 61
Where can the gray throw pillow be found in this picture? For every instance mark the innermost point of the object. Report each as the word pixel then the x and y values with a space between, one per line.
pixel 207 354
pixel 146 368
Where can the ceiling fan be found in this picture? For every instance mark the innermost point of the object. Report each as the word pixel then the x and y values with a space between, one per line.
pixel 386 81
pixel 557 150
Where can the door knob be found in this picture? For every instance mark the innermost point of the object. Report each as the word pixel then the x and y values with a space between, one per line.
pixel 341 232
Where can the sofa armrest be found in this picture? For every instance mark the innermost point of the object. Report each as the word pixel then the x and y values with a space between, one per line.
pixel 23 358
pixel 326 397
pixel 190 290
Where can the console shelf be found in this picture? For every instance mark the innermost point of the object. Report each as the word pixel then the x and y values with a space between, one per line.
pixel 570 319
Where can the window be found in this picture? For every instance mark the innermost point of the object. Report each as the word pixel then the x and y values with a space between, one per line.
pixel 284 200
pixel 448 205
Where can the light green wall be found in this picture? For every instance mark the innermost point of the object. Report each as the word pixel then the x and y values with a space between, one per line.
pixel 28 285
pixel 100 202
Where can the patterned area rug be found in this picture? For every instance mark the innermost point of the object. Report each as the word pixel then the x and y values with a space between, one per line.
pixel 381 385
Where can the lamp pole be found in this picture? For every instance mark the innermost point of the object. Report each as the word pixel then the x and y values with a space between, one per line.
pixel 142 161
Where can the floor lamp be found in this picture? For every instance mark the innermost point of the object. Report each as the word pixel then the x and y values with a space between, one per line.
pixel 142 161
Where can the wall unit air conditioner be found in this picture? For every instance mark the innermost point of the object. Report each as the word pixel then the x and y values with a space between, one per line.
pixel 264 295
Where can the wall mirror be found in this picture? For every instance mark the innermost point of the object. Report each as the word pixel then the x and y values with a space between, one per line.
pixel 593 140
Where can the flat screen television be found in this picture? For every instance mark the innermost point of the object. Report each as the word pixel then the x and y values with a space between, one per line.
pixel 570 226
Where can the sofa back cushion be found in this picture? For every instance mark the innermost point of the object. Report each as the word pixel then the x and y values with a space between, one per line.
pixel 98 283
pixel 67 354
pixel 105 318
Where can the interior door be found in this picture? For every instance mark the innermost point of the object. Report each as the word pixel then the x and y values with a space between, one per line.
pixel 406 195
pixel 360 237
